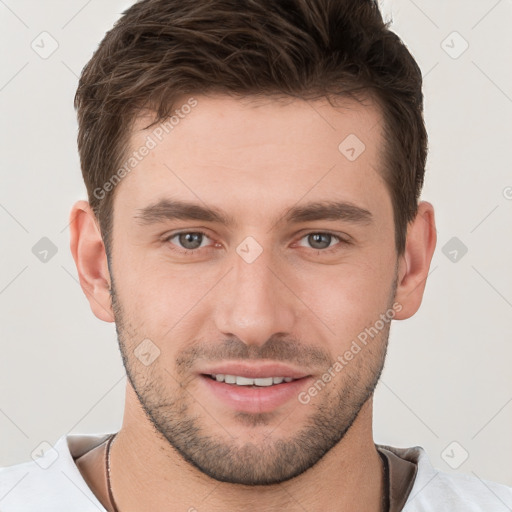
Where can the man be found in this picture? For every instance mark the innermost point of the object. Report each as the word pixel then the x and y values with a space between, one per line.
pixel 253 227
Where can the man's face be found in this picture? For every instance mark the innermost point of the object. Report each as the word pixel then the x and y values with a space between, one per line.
pixel 268 295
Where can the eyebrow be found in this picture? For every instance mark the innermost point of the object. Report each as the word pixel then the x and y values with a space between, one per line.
pixel 166 209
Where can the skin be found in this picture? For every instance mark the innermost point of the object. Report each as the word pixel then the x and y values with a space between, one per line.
pixel 180 448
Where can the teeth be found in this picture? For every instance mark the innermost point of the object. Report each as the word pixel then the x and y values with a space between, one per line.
pixel 245 381
pixel 267 381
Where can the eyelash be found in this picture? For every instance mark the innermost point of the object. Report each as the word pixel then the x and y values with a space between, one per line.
pixel 192 252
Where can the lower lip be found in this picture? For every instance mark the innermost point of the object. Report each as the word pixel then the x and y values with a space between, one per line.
pixel 255 399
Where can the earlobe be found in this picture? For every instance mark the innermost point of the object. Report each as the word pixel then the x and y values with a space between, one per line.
pixel 415 262
pixel 90 258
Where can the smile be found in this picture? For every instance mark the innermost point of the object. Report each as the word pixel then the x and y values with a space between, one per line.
pixel 246 381
pixel 251 394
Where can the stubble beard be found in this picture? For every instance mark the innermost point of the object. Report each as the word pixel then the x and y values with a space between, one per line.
pixel 223 457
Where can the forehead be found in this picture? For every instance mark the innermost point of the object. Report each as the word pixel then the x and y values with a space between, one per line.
pixel 258 152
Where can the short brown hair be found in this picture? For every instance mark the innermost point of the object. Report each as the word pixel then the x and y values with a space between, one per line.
pixel 162 49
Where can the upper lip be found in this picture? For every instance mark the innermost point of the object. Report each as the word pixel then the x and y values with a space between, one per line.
pixel 255 371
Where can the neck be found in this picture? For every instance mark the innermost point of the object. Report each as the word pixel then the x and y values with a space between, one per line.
pixel 148 474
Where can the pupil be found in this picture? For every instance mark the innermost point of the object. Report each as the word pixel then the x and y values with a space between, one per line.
pixel 188 238
pixel 316 237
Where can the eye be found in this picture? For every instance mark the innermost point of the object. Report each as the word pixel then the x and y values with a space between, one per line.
pixel 322 241
pixel 187 241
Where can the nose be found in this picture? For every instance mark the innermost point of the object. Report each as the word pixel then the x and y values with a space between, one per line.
pixel 255 301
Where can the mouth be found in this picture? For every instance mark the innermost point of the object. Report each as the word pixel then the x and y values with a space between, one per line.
pixel 240 380
pixel 254 389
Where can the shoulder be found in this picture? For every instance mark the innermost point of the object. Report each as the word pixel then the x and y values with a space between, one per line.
pixel 440 491
pixel 50 482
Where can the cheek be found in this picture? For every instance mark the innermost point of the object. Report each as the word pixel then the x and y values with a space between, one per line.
pixel 160 299
pixel 350 298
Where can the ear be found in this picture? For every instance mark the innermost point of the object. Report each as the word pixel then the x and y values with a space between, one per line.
pixel 90 258
pixel 415 262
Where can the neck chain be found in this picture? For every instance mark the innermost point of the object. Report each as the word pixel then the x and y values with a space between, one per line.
pixel 107 470
pixel 385 505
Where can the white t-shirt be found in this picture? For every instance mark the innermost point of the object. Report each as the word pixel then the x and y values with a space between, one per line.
pixel 53 483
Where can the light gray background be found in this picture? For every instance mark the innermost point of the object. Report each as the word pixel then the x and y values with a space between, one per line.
pixel 447 376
